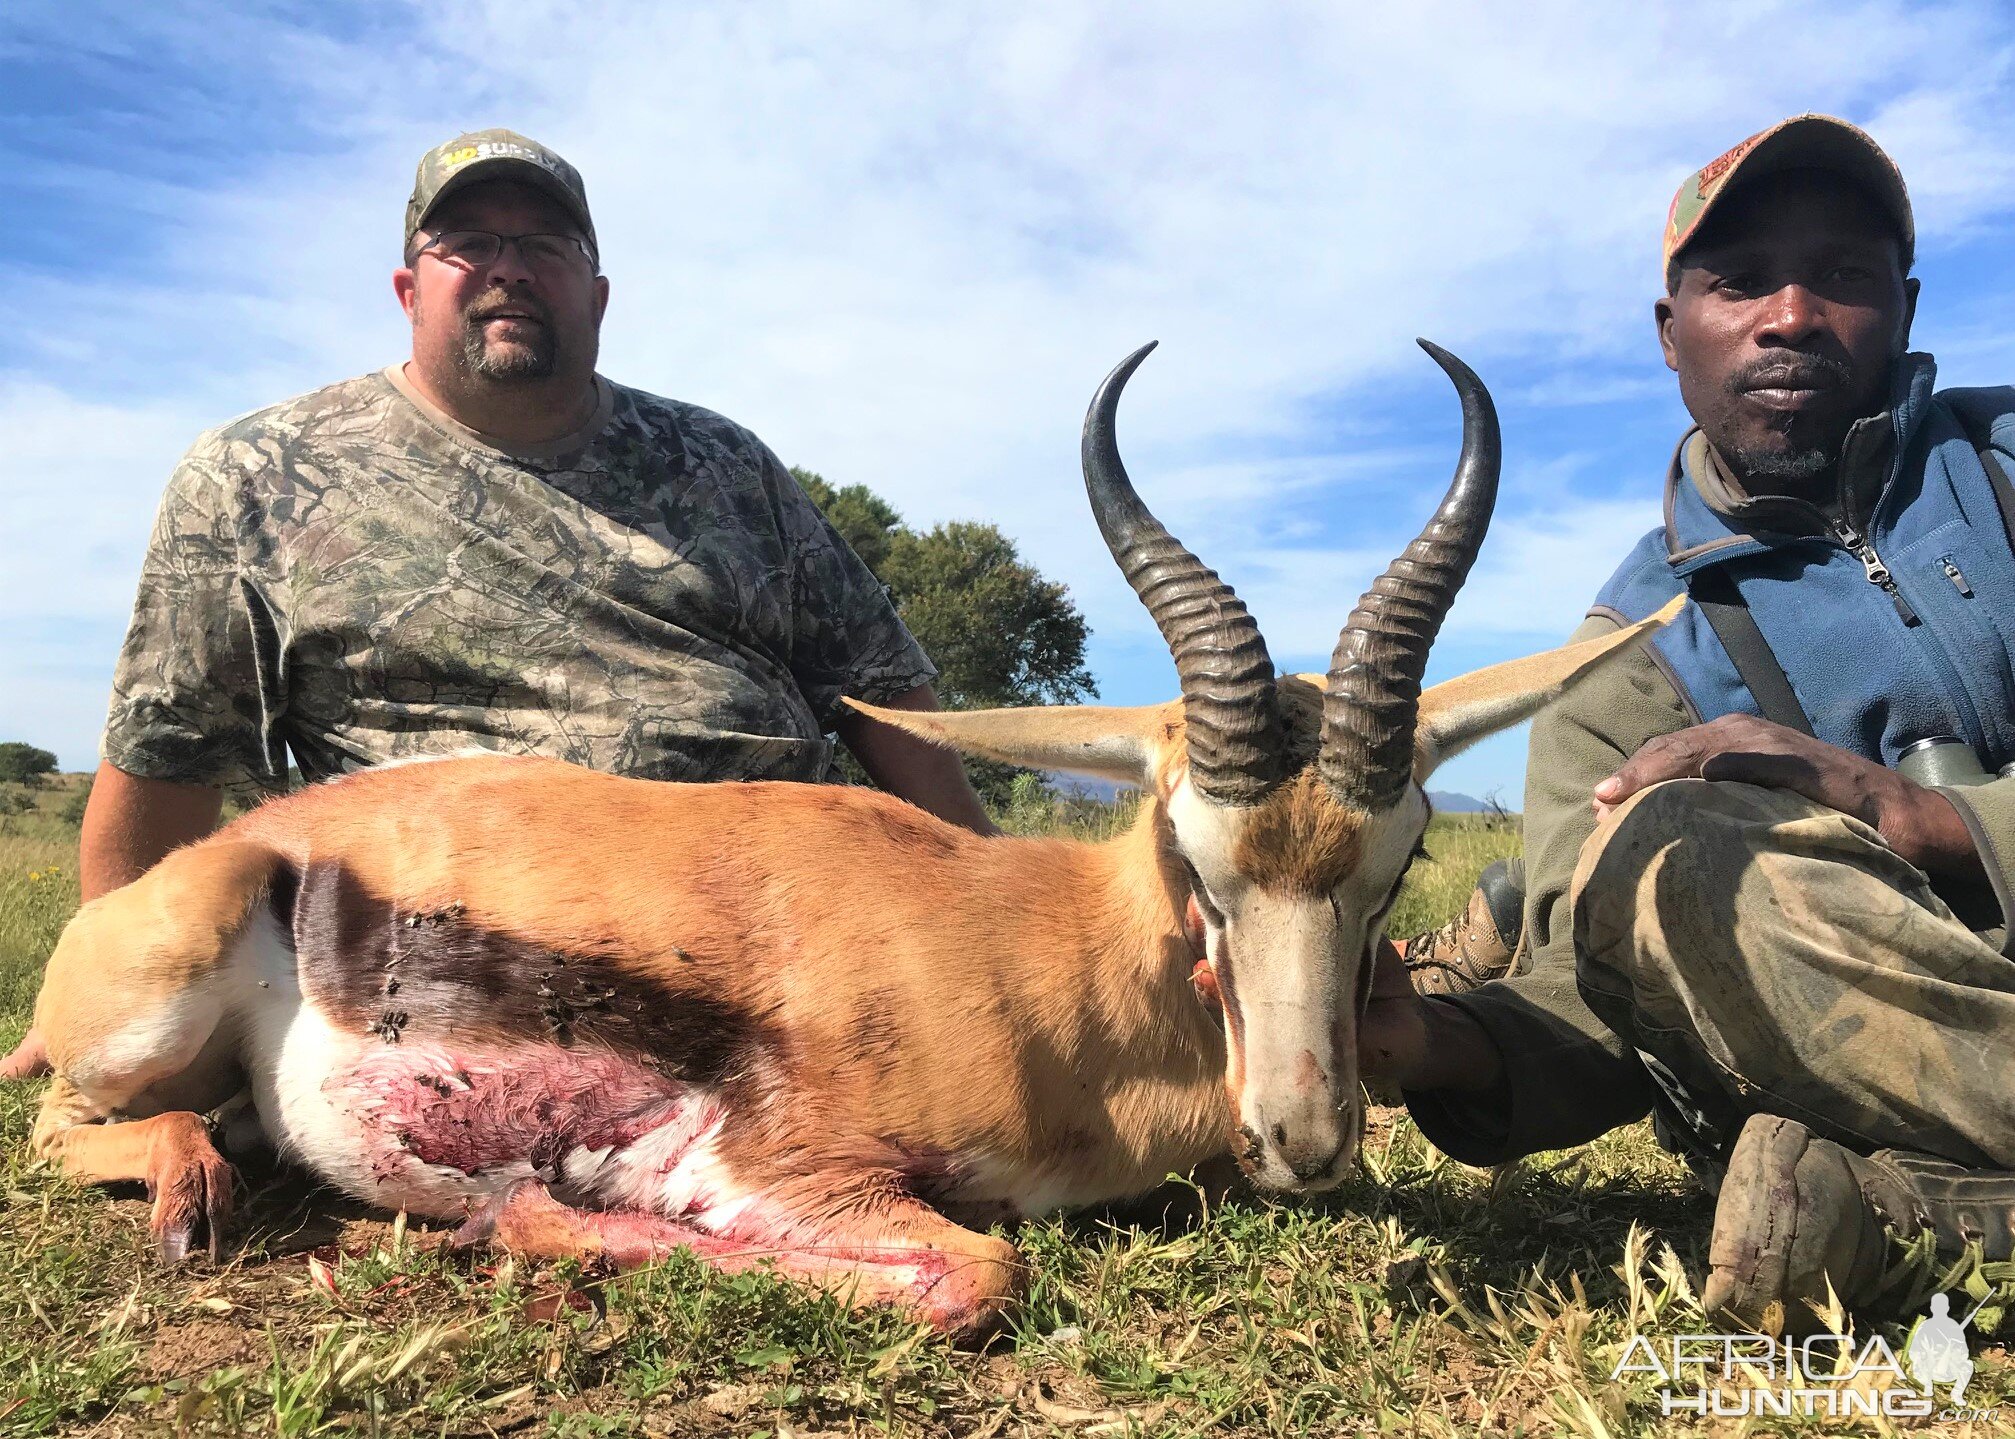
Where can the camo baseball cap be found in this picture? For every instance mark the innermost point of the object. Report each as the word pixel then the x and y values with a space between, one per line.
pixel 1804 142
pixel 496 155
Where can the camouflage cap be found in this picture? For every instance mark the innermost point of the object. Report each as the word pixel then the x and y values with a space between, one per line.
pixel 496 155
pixel 1804 142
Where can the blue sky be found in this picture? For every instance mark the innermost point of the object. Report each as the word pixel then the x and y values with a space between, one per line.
pixel 903 242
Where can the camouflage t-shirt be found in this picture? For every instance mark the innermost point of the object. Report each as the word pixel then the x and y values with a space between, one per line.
pixel 354 577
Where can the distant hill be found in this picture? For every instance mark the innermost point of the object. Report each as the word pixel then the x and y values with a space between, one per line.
pixel 1102 790
pixel 1449 802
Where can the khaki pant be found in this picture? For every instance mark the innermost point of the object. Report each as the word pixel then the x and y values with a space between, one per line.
pixel 1766 954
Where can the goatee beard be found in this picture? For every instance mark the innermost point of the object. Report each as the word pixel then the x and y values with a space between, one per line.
pixel 532 358
pixel 1783 468
pixel 1795 466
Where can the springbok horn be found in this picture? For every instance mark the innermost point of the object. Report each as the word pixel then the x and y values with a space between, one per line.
pixel 1373 696
pixel 1236 739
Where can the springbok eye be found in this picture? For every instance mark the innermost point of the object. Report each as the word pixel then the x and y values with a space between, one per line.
pixel 1204 902
pixel 1414 856
pixel 1419 852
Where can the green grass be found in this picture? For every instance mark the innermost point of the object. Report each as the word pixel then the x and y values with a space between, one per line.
pixel 1422 1298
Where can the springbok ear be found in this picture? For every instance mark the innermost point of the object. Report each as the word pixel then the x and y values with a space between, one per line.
pixel 1103 741
pixel 1455 715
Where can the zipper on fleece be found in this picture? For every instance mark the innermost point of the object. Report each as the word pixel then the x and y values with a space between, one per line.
pixel 1863 549
pixel 1956 575
pixel 1941 659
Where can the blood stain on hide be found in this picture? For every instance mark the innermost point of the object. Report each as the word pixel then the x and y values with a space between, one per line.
pixel 537 1105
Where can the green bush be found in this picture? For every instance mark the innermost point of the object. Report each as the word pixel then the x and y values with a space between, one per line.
pixel 14 802
pixel 72 812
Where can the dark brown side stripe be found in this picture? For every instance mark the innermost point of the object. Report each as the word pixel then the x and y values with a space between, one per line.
pixel 399 974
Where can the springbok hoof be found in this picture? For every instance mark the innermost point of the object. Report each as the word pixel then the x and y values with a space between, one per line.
pixel 194 1192
pixel 971 1301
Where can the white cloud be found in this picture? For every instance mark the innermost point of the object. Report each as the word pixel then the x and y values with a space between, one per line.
pixel 1570 388
pixel 79 480
pixel 1533 583
pixel 1540 572
pixel 74 465
pixel 904 243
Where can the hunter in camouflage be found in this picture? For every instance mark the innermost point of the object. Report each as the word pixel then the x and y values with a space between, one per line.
pixel 491 546
pixel 353 576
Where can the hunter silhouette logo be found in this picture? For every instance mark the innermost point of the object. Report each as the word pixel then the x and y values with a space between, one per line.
pixel 1937 1353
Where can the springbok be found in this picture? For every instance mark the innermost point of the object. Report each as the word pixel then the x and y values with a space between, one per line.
pixel 800 1024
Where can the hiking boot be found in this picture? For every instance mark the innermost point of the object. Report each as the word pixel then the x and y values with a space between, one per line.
pixel 1477 945
pixel 1797 1211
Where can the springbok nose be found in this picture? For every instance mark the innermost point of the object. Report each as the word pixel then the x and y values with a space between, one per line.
pixel 1310 1149
pixel 1305 1166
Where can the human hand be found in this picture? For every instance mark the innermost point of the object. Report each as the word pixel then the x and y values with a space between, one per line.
pixel 1406 1042
pixel 1921 825
pixel 1392 1036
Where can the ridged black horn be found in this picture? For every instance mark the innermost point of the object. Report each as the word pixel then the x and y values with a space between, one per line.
pixel 1236 740
pixel 1373 697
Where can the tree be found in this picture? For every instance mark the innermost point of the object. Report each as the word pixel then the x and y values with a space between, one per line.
pixel 999 632
pixel 24 764
pixel 865 520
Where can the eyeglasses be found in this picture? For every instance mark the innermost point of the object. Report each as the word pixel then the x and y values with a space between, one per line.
pixel 474 249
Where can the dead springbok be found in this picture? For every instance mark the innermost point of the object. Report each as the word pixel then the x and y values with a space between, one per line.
pixel 801 1024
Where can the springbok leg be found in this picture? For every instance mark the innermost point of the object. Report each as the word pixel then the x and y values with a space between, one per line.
pixel 908 1257
pixel 129 1008
pixel 189 1181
